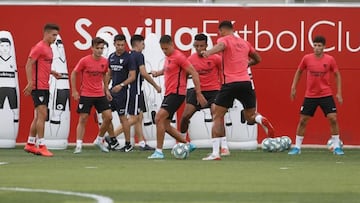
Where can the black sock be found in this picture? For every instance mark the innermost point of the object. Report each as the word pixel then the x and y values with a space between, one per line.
pixel 113 140
pixel 127 143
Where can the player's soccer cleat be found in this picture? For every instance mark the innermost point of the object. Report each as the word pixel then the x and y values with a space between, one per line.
pixel 212 157
pixel 269 129
pixel 43 151
pixel 157 155
pixel 338 151
pixel 31 148
pixel 101 146
pixel 294 151
pixel 112 145
pixel 192 147
pixel 127 148
pixel 146 148
pixel 77 150
pixel 225 152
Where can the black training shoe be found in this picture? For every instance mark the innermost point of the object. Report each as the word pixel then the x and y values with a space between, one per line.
pixel 146 148
pixel 113 144
pixel 127 148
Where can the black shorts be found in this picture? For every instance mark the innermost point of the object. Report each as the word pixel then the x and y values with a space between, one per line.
pixel 85 103
pixel 62 97
pixel 209 96
pixel 136 104
pixel 40 97
pixel 171 104
pixel 241 91
pixel 120 102
pixel 327 105
pixel 10 93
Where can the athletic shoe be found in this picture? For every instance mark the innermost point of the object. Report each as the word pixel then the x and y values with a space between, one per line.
pixel 101 146
pixel 212 157
pixel 112 146
pixel 295 151
pixel 146 148
pixel 43 151
pixel 127 148
pixel 192 147
pixel 269 129
pixel 225 152
pixel 338 151
pixel 31 148
pixel 77 150
pixel 157 155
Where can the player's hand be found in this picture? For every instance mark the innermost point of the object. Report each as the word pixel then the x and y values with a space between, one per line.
pixel 158 89
pixel 339 98
pixel 205 53
pixel 56 74
pixel 293 94
pixel 154 73
pixel 75 95
pixel 116 89
pixel 108 95
pixel 201 99
pixel 28 89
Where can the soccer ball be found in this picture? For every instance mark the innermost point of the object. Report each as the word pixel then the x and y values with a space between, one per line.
pixel 279 147
pixel 286 141
pixel 268 145
pixel 180 151
pixel 330 144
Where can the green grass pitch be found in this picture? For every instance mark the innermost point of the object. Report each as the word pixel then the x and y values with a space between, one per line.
pixel 315 176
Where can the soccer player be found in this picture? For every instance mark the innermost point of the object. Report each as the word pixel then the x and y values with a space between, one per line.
pixel 136 105
pixel 318 67
pixel 38 70
pixel 237 56
pixel 122 72
pixel 175 71
pixel 93 92
pixel 209 70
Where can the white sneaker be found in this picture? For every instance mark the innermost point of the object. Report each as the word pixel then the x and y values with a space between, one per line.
pixel 77 150
pixel 212 157
pixel 101 146
pixel 225 152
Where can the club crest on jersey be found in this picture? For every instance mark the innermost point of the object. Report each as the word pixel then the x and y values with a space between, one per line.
pixel 41 98
pixel 121 61
pixel 81 106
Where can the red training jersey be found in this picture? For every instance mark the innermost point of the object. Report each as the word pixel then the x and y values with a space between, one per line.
pixel 175 73
pixel 92 73
pixel 235 58
pixel 43 56
pixel 318 74
pixel 209 71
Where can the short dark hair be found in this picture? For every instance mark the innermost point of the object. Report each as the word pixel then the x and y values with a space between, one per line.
pixel 165 39
pixel 136 38
pixel 226 24
pixel 201 37
pixel 119 37
pixel 51 26
pixel 319 39
pixel 4 39
pixel 96 41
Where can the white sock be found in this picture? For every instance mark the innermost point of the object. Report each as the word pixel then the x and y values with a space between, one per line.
pixel 142 143
pixel 216 146
pixel 258 119
pixel 100 139
pixel 31 140
pixel 41 141
pixel 298 142
pixel 183 135
pixel 336 140
pixel 79 143
pixel 159 150
pixel 224 142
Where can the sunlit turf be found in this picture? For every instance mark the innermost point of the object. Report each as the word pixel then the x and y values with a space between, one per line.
pixel 244 177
